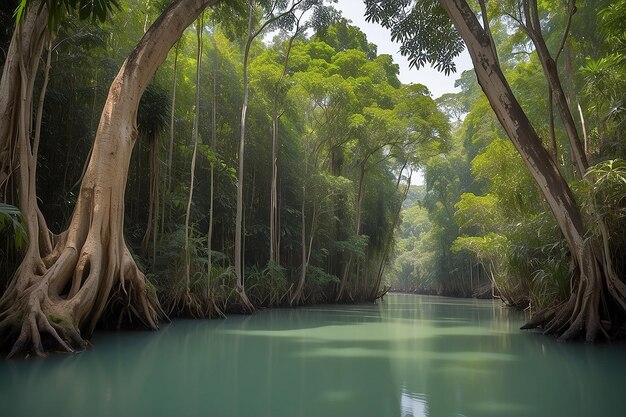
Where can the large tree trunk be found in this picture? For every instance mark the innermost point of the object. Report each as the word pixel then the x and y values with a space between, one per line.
pixel 65 296
pixel 592 274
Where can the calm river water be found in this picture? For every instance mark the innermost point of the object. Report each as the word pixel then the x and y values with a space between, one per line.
pixel 405 356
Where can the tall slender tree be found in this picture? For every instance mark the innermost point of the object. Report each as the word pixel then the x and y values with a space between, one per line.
pixel 253 33
pixel 276 113
pixel 186 302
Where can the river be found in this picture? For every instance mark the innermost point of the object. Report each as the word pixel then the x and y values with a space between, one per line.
pixel 406 356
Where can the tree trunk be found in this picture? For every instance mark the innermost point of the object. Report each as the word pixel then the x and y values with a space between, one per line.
pixel 246 304
pixel 580 316
pixel 274 212
pixel 274 191
pixel 584 128
pixel 298 294
pixel 548 65
pixel 553 143
pixel 152 227
pixel 23 57
pixel 212 176
pixel 185 301
pixel 17 112
pixel 252 34
pixel 375 293
pixel 357 228
pixel 170 150
pixel 172 120
pixel 90 265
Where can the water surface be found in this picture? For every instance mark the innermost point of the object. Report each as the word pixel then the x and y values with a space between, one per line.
pixel 406 356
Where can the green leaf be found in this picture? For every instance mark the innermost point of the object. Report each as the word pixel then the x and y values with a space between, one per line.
pixel 11 216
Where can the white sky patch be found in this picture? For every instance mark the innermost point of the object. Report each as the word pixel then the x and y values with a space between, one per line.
pixel 437 82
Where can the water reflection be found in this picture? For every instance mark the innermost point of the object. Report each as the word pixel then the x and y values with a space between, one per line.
pixel 408 356
pixel 413 405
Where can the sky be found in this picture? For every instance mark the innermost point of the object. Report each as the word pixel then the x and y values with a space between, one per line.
pixel 437 82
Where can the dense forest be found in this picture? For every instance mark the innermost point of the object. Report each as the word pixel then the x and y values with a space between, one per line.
pixel 481 226
pixel 261 153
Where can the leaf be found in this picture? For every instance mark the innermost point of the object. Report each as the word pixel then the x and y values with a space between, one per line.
pixel 11 215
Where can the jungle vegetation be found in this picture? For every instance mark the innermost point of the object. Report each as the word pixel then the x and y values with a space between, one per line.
pixel 200 158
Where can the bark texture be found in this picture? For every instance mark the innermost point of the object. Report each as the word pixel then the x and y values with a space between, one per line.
pixel 16 88
pixel 90 267
pixel 246 305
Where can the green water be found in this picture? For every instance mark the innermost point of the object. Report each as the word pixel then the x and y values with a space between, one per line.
pixel 407 356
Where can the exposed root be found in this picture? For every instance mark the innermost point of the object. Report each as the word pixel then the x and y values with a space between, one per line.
pixel 297 295
pixel 583 315
pixel 538 319
pixel 218 311
pixel 93 261
pixel 187 304
pixel 40 324
pixel 246 305
pixel 381 294
pixel 37 315
pixel 196 304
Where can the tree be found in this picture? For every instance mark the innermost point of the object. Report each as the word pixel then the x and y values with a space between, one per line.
pixel 16 86
pixel 274 214
pixel 185 300
pixel 593 278
pixel 276 11
pixel 64 292
pixel 151 122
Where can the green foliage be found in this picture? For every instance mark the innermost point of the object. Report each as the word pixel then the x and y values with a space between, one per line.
pixel 482 205
pixel 95 10
pixel 613 23
pixel 153 114
pixel 319 284
pixel 346 125
pixel 211 286
pixel 551 279
pixel 267 287
pixel 11 218
pixel 487 246
pixel 342 36
pixel 480 212
pixel 413 24
pixel 355 245
pixel 607 192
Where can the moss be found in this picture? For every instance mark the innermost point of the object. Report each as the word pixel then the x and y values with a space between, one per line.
pixel 151 288
pixel 60 320
pixel 21 315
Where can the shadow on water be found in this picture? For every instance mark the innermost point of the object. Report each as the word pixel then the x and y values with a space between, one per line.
pixel 408 356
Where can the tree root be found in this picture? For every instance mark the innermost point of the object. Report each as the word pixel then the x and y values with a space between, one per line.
pixel 581 317
pixel 37 317
pixel 38 314
pixel 246 306
pixel 381 293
